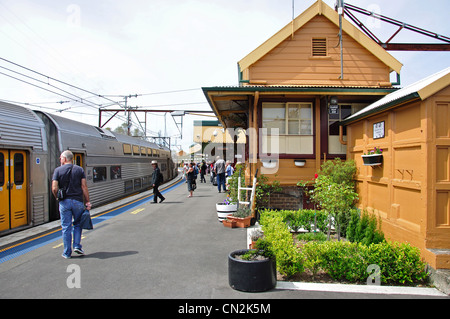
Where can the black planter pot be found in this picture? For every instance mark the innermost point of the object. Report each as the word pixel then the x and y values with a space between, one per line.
pixel 251 275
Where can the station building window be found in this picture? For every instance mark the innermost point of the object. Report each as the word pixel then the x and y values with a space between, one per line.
pixel 287 128
pixel 343 111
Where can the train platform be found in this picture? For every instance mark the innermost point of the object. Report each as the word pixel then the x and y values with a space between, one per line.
pixel 171 250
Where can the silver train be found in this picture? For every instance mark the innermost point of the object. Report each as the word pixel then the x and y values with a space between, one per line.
pixel 30 144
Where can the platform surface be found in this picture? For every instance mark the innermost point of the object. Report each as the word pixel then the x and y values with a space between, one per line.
pixel 173 250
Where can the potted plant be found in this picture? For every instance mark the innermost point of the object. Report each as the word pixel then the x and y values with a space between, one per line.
pixel 373 157
pixel 254 236
pixel 243 217
pixel 225 209
pixel 231 223
pixel 253 270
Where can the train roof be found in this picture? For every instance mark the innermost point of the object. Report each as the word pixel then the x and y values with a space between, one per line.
pixel 21 127
pixel 136 141
pixel 72 126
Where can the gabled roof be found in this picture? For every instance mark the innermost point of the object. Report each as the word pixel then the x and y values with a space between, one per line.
pixel 422 90
pixel 320 8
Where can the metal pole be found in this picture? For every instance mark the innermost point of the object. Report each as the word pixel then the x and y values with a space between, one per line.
pixel 341 12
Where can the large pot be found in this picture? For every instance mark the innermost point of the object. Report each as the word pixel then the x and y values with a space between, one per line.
pixel 224 210
pixel 251 275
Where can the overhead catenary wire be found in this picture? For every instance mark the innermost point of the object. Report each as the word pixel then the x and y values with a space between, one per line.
pixel 59 81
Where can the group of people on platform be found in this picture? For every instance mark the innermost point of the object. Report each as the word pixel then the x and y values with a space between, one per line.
pixel 219 170
pixel 70 188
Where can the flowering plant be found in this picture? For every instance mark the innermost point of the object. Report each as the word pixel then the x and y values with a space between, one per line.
pixel 376 150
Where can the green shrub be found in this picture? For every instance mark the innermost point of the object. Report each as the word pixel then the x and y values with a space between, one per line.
pixel 399 263
pixel 304 218
pixel 364 229
pixel 339 171
pixel 289 259
pixel 312 236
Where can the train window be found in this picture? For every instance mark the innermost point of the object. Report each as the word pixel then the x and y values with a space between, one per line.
pixel 99 174
pixel 18 169
pixel 137 183
pixel 149 151
pixel 155 153
pixel 128 186
pixel 163 167
pixel 146 181
pixel 136 150
pixel 2 169
pixel 116 172
pixel 143 151
pixel 127 149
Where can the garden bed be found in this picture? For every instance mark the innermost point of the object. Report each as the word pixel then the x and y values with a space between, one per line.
pixel 343 261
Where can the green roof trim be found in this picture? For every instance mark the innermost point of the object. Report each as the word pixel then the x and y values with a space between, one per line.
pixel 318 89
pixel 408 98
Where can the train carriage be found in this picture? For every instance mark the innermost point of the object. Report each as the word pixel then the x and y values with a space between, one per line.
pixel 115 165
pixel 23 168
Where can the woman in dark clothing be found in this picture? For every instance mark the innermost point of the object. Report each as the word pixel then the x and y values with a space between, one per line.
pixel 190 179
pixel 203 172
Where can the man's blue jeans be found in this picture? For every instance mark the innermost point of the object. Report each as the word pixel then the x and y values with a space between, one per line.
pixel 68 209
pixel 221 181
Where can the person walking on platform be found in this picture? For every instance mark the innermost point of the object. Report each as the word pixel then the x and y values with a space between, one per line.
pixel 203 172
pixel 190 179
pixel 157 179
pixel 70 188
pixel 219 168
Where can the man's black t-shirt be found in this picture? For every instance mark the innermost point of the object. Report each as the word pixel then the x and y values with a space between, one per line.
pixel 61 174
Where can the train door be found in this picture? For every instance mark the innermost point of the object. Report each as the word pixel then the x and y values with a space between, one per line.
pixel 4 192
pixel 78 159
pixel 13 189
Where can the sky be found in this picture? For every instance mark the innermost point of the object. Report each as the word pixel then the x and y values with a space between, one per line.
pixel 165 51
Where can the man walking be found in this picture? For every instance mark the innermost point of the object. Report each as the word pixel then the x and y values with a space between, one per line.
pixel 157 180
pixel 219 168
pixel 70 188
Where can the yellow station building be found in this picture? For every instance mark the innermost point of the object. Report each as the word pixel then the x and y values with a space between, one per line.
pixel 297 88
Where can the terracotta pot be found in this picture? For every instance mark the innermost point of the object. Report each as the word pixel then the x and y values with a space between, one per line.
pixel 241 222
pixel 229 223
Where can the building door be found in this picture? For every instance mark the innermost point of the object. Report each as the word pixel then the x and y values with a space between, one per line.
pixel 13 189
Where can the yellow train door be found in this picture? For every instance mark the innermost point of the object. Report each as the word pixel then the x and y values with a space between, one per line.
pixel 4 191
pixel 13 189
pixel 78 159
pixel 18 189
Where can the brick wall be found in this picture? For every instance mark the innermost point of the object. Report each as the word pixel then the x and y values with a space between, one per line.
pixel 290 197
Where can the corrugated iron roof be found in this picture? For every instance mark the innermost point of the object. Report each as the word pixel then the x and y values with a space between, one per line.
pixel 421 89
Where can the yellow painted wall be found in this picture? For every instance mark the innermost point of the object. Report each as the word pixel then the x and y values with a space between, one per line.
pixel 411 190
pixel 292 63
